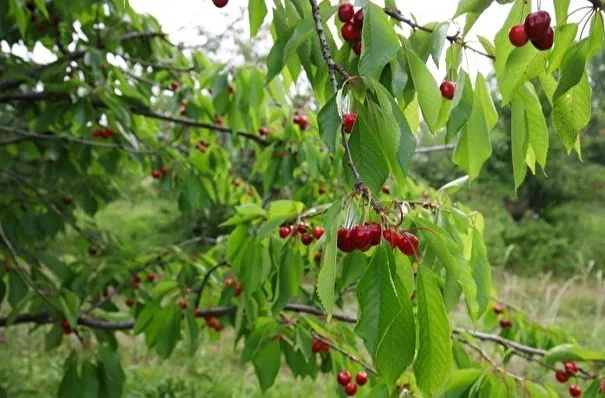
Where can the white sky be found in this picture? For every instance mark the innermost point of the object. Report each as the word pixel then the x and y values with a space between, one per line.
pixel 177 16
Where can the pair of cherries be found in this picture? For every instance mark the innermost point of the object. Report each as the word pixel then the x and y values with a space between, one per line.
pixel 536 29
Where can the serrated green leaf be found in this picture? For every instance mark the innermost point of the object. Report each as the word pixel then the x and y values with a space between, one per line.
pixel 537 130
pixel 564 37
pixel 257 11
pixel 572 352
pixel 379 41
pixel 434 359
pixel 329 266
pixel 519 141
pixel 112 376
pixel 524 63
pixel 267 362
pixel 427 89
pixel 329 123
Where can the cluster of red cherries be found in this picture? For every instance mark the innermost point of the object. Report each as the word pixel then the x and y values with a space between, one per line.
pixel 237 287
pixel 303 229
pixel 103 133
pixel 318 346
pixel 350 387
pixel 159 173
pixel 562 376
pixel 536 29
pixel 504 323
pixel 202 146
pixel 211 321
pixel 301 120
pixel 363 237
pixel 353 23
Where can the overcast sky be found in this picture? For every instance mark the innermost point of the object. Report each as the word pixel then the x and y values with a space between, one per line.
pixel 178 17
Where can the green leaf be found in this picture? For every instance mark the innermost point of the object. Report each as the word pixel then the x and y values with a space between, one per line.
pixel 460 383
pixel 70 384
pixel 535 390
pixel 474 146
pixel 285 208
pixel 275 58
pixel 289 278
pixel 379 41
pixel 482 272
pixel 427 89
pixel 519 141
pixel 169 332
pixel 17 9
pixel 573 67
pixel 571 112
pixel 564 37
pixel 523 64
pixel 55 265
pixel 561 11
pixel 41 5
pixel 503 45
pixel 386 320
pixel 434 359
pixel 112 376
pixel 463 109
pixel 487 103
pixel 89 381
pixel 572 352
pixel 329 265
pixel 366 151
pixel 17 289
pixel 329 123
pixel 193 332
pixel 257 11
pixel 267 363
pixel 537 130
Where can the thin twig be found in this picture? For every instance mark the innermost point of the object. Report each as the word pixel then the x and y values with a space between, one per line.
pixel 200 289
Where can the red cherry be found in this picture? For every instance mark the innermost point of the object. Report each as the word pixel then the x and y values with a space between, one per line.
pixel 284 232
pixel 498 309
pixel 376 230
pixel 361 235
pixel 318 232
pixel 230 89
pixel 238 289
pixel 544 42
pixel 344 378
pixel 263 131
pixel 358 19
pixel 92 251
pixel 357 48
pixel 317 257
pixel 68 200
pixel 571 367
pixel 325 347
pixel 536 24
pixel 321 190
pixel 130 303
pixel 228 282
pixel 182 303
pixel 218 121
pixel 351 389
pixel 316 346
pixel 109 132
pixel 408 244
pixel 561 376
pixel 98 133
pixel 350 32
pixel 392 237
pixel 302 227
pixel 296 119
pixel 105 293
pixel 218 326
pixel 220 3
pixel 348 121
pixel 345 12
pixel 448 89
pixel 156 174
pixel 361 378
pixel 344 241
pixel 136 279
pixel 303 122
pixel 386 189
pixel 602 387
pixel 306 238
pixel 150 277
pixel 66 327
pixel 174 86
pixel 517 35
pixel 575 391
pixel 506 323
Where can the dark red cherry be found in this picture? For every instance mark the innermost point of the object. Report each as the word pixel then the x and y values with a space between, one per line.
pixel 362 236
pixel 536 24
pixel 306 238
pixel 284 232
pixel 545 42
pixel 318 232
pixel 448 89
pixel 350 32
pixel 344 377
pixel 358 19
pixel 376 233
pixel 561 376
pixel 348 121
pixel 357 48
pixel 392 237
pixel 408 244
pixel 344 241
pixel 345 12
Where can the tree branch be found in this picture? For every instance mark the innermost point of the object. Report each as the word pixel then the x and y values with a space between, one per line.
pixel 200 289
pixel 141 35
pixel 435 148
